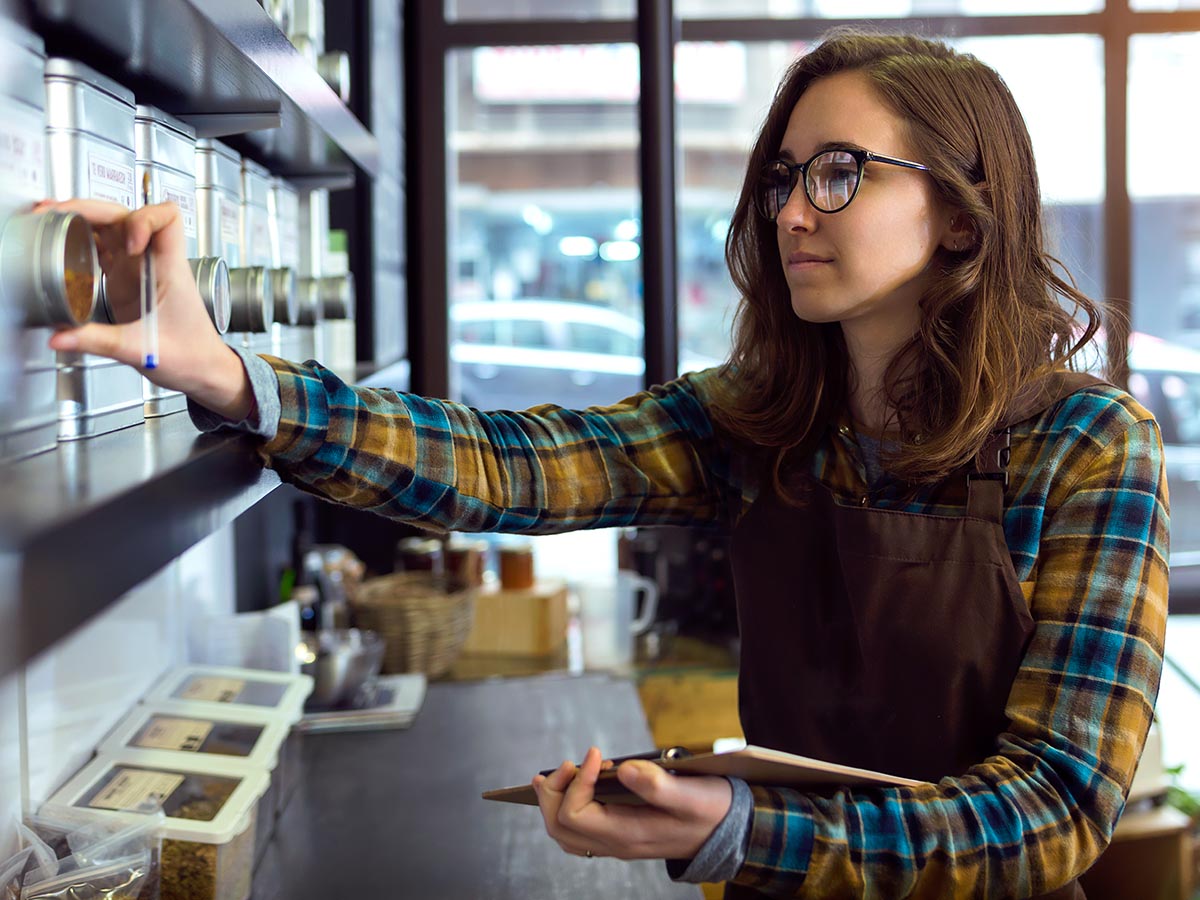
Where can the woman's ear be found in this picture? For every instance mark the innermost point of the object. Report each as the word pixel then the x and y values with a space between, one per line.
pixel 959 234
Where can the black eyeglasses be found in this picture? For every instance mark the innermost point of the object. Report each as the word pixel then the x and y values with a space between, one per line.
pixel 831 179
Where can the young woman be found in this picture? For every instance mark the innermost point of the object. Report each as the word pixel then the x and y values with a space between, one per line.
pixel 950 551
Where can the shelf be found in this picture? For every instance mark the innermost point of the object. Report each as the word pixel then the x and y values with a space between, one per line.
pixel 91 519
pixel 225 66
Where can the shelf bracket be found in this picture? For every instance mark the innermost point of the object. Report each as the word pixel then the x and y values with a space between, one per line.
pixel 217 125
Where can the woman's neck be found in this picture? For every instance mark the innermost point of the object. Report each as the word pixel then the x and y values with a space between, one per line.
pixel 867 394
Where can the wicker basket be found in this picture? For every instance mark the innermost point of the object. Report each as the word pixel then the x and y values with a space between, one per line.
pixel 423 619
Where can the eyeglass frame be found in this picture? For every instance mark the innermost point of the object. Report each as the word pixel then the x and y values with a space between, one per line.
pixel 860 156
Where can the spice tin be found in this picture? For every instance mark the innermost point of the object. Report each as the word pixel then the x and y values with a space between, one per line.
pixel 258 249
pixel 89 134
pixel 210 808
pixel 289 339
pixel 218 209
pixel 49 273
pixel 166 150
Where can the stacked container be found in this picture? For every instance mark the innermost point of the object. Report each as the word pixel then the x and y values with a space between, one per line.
pixel 307 34
pixel 239 737
pixel 89 131
pixel 294 341
pixel 213 691
pixel 335 345
pixel 260 242
pixel 166 149
pixel 49 273
pixel 218 209
pixel 210 807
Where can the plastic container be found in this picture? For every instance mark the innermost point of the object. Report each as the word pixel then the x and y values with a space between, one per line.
pixel 235 736
pixel 210 808
pixel 90 153
pixel 214 690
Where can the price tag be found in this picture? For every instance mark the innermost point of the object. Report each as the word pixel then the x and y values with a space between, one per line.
pixel 137 790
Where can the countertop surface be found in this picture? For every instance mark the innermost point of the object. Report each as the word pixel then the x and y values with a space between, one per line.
pixel 398 814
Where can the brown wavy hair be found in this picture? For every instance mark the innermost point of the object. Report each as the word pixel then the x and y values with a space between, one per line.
pixel 995 321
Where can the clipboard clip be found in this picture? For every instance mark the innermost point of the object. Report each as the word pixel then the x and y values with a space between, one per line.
pixel 660 755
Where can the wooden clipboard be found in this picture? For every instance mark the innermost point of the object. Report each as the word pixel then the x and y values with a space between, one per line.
pixel 755 765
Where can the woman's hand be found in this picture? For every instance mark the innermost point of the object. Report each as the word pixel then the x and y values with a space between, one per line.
pixel 682 811
pixel 192 356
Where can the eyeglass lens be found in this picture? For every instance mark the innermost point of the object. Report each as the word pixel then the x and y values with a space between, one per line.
pixel 830 180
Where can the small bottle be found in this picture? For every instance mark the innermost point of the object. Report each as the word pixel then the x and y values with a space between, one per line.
pixel 417 554
pixel 516 566
pixel 464 561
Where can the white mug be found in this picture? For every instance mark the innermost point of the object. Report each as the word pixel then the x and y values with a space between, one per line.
pixel 607 620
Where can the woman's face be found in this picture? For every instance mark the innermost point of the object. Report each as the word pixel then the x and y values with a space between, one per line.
pixel 866 265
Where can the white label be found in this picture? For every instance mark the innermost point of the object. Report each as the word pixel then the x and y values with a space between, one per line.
pixel 177 191
pixel 259 250
pixel 137 790
pixel 22 151
pixel 110 178
pixel 229 222
pixel 164 733
pixel 217 690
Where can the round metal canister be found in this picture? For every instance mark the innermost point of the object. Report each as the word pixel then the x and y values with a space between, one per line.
pixel 49 268
pixel 212 278
pixel 252 307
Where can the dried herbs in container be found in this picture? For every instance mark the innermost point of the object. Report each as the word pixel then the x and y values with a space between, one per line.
pixel 208 834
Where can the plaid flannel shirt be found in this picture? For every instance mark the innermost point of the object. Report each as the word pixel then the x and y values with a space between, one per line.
pixel 1086 522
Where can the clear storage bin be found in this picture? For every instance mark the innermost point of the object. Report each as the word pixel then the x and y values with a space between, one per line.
pixel 209 805
pixel 237 736
pixel 211 690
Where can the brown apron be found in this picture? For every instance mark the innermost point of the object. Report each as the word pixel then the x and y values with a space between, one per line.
pixel 882 639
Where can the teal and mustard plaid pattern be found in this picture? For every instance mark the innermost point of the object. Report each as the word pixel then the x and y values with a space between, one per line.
pixel 1086 521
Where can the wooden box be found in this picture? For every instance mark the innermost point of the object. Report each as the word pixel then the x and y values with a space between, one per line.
pixel 529 622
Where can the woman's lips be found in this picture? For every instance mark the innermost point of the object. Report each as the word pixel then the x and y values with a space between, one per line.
pixel 803 261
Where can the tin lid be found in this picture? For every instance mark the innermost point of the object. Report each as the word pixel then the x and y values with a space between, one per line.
pixel 143 113
pixel 211 145
pixel 73 70
pixel 205 800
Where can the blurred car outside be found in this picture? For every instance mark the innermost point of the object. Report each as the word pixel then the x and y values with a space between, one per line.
pixel 514 354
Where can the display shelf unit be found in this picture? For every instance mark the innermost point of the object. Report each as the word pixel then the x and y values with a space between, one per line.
pixel 224 67
pixel 88 521
pixel 83 524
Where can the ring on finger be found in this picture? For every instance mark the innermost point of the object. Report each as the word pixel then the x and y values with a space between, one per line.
pixel 589 854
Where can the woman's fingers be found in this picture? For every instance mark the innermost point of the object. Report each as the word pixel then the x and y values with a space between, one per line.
pixel 139 225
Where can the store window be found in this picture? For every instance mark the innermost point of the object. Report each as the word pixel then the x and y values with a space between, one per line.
pixel 868 9
pixel 1062 103
pixel 466 10
pixel 545 225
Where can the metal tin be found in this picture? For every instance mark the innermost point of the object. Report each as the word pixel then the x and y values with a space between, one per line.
pixel 90 138
pixel 49 271
pixel 212 278
pixel 252 306
pixel 288 337
pixel 258 244
pixel 28 403
pixel 218 201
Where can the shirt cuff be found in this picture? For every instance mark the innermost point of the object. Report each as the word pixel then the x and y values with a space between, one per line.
pixel 263 419
pixel 725 851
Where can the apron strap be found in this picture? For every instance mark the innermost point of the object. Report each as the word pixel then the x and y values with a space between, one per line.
pixel 988 474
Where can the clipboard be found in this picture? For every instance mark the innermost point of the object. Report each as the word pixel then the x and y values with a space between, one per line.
pixel 755 765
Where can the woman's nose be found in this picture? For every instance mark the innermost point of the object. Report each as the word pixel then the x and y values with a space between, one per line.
pixel 798 212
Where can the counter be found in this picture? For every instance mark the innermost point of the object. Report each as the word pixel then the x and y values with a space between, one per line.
pixel 398 814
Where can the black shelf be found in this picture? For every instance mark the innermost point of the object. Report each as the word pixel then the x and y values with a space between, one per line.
pixel 88 521
pixel 225 66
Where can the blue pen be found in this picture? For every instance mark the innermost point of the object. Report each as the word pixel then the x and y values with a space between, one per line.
pixel 149 301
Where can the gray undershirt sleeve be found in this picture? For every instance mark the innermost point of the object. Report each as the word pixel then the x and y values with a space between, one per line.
pixel 264 385
pixel 724 852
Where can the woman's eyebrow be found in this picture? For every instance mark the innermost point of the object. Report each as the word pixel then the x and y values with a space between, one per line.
pixel 821 148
